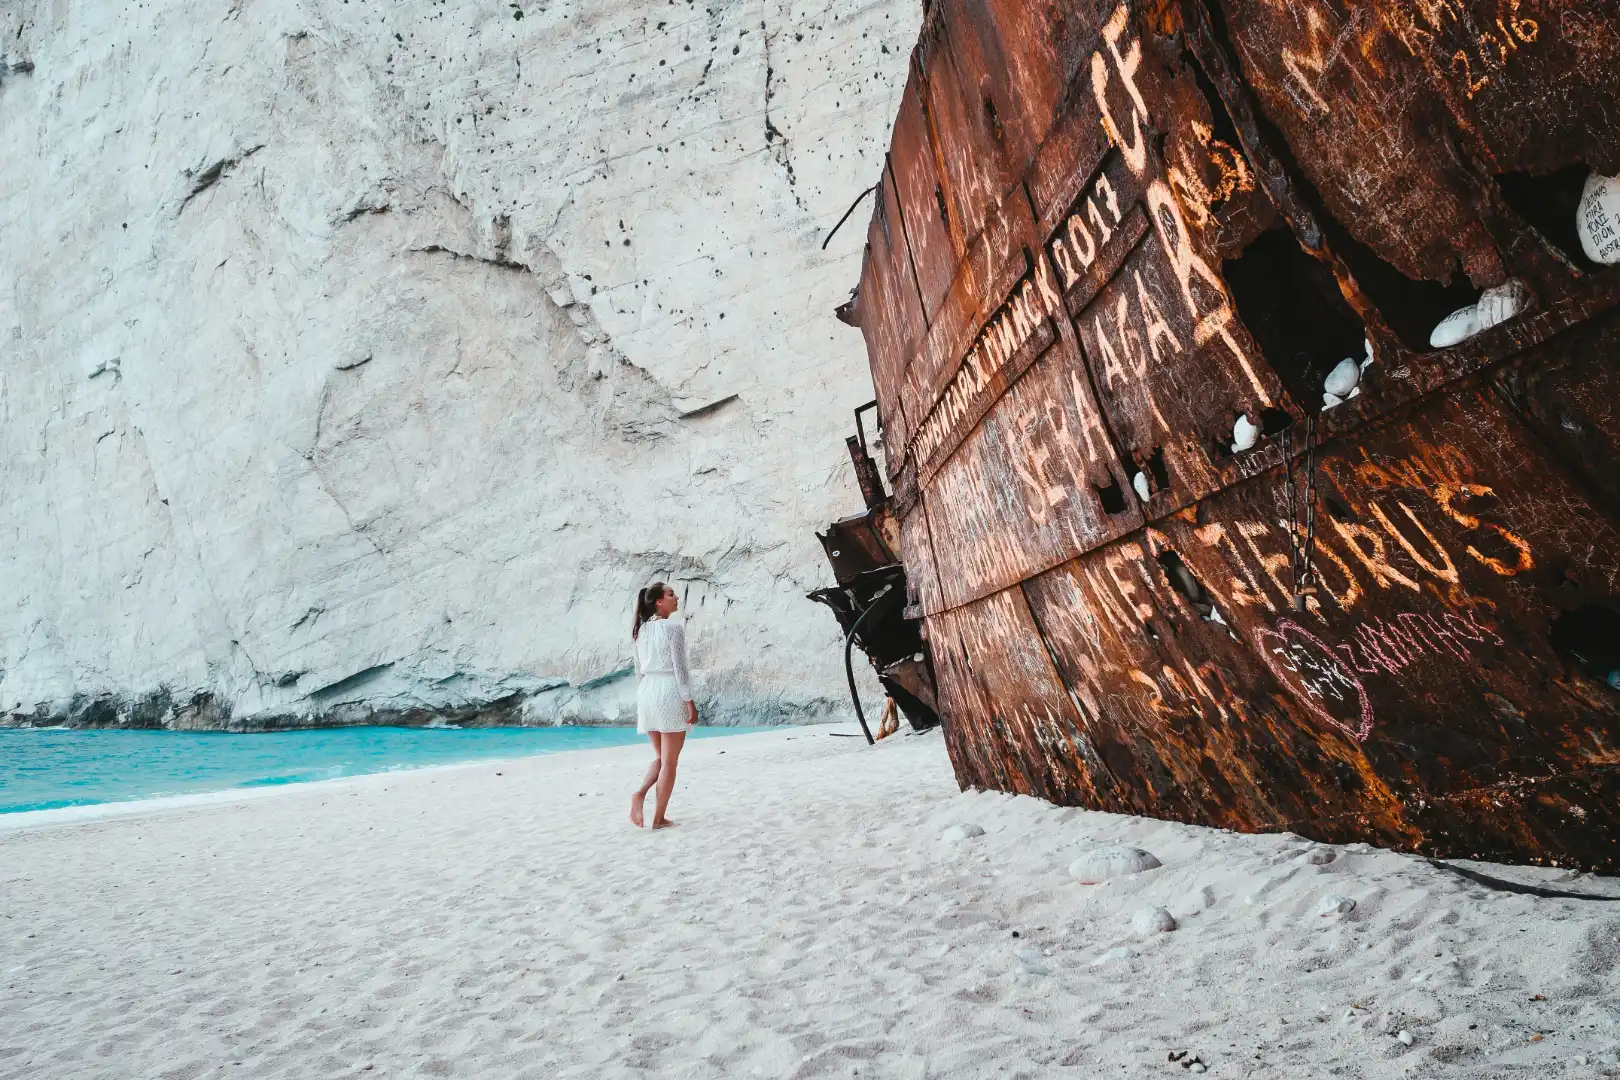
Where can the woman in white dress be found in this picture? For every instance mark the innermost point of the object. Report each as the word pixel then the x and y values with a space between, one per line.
pixel 664 705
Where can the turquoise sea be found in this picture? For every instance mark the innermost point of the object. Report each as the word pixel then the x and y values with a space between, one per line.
pixel 44 768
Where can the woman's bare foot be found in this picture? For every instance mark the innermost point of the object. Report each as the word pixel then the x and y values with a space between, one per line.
pixel 636 802
pixel 665 824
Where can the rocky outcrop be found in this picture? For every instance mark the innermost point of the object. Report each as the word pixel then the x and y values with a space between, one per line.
pixel 358 360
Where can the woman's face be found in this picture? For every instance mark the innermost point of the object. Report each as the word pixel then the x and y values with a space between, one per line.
pixel 667 604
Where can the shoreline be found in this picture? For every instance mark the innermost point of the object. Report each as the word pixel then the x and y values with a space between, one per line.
pixel 512 701
pixel 122 808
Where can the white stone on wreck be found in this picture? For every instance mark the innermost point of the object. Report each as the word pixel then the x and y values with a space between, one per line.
pixel 1098 866
pixel 1342 379
pixel 1140 484
pixel 1597 218
pixel 1460 325
pixel 1501 303
pixel 1245 433
pixel 1495 305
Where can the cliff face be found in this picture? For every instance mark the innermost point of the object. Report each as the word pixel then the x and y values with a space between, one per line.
pixel 360 359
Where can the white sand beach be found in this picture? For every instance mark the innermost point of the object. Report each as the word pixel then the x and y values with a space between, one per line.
pixel 806 920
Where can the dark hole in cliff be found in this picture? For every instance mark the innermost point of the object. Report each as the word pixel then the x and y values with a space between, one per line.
pixel 1548 203
pixel 1589 638
pixel 1291 303
pixel 1157 470
pixel 1186 583
pixel 1113 499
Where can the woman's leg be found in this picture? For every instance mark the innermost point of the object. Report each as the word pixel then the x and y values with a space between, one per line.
pixel 647 781
pixel 669 755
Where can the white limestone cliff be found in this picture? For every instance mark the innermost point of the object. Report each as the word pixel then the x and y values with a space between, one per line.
pixel 359 358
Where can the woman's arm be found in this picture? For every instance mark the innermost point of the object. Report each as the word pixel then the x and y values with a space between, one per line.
pixel 677 660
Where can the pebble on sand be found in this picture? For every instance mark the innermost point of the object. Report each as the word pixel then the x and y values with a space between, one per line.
pixel 1334 904
pixel 1153 920
pixel 956 834
pixel 1405 1037
pixel 1030 959
pixel 1098 866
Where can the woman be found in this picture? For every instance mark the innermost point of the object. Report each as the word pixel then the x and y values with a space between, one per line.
pixel 664 705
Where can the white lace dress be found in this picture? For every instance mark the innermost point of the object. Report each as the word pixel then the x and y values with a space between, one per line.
pixel 665 685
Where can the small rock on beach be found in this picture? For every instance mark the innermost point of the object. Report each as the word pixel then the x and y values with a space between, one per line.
pixel 1153 920
pixel 1098 866
pixel 1334 904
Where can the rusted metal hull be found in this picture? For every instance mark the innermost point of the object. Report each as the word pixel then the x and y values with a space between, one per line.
pixel 1104 232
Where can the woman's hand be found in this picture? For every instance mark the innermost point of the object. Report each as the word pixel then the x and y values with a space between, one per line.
pixel 691 713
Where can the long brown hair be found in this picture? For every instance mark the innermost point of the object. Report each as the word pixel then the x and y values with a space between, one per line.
pixel 647 606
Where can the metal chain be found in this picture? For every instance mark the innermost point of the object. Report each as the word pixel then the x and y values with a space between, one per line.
pixel 1285 439
pixel 1301 556
pixel 1302 580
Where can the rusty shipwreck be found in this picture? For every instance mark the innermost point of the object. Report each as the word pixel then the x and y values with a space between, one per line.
pixel 1200 510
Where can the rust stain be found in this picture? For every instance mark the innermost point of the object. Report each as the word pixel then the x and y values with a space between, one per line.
pixel 1108 231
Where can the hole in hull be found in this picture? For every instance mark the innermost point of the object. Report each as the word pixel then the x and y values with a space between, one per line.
pixel 1183 581
pixel 1274 422
pixel 1588 639
pixel 1113 499
pixel 1156 469
pixel 1548 203
pixel 1292 305
pixel 1412 308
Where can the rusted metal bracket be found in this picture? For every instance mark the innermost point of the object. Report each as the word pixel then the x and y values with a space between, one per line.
pixel 848 212
pixel 849 644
